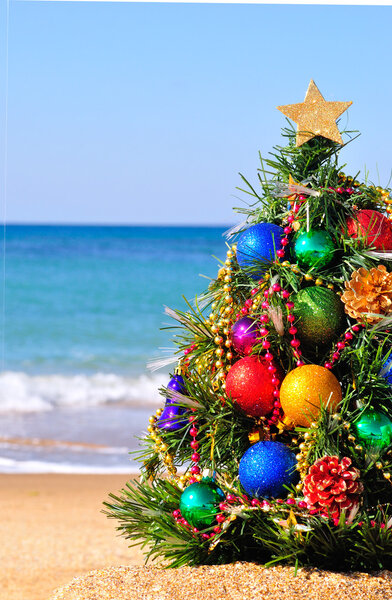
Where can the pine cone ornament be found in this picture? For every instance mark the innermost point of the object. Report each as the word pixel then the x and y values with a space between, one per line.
pixel 332 486
pixel 368 292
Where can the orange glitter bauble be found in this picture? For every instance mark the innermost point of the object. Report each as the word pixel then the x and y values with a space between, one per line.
pixel 305 389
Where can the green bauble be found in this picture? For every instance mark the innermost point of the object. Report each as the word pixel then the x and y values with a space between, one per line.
pixel 199 503
pixel 374 429
pixel 320 315
pixel 314 248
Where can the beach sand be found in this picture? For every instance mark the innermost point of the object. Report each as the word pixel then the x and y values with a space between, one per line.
pixel 238 581
pixel 54 537
pixel 51 530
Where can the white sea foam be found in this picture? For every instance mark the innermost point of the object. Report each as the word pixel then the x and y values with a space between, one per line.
pixel 20 392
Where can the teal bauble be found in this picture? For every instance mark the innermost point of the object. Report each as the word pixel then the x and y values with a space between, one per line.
pixel 314 248
pixel 199 503
pixel 373 429
pixel 320 315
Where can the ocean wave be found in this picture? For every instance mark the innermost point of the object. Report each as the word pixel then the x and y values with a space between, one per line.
pixel 22 393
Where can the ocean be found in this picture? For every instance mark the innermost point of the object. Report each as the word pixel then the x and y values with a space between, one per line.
pixel 81 315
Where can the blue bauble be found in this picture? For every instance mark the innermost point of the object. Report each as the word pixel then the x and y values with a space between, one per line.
pixel 169 419
pixel 386 370
pixel 266 467
pixel 257 247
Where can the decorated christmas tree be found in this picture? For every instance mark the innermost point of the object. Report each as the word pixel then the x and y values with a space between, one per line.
pixel 274 443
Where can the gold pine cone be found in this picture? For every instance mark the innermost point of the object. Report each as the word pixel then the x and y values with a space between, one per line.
pixel 368 292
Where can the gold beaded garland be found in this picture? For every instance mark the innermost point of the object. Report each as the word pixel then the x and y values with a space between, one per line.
pixel 383 193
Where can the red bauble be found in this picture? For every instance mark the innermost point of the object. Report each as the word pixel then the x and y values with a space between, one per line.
pixel 373 226
pixel 249 384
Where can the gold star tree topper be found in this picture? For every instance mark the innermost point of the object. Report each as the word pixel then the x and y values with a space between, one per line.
pixel 315 116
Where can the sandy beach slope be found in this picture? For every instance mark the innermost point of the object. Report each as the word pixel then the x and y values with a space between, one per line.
pixel 51 530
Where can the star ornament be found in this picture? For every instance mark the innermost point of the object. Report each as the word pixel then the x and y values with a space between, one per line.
pixel 315 116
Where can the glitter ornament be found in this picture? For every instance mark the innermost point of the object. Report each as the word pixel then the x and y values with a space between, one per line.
pixel 315 116
pixel 249 384
pixel 314 248
pixel 374 429
pixel 320 315
pixel 373 227
pixel 244 335
pixel 266 467
pixel 386 370
pixel 199 503
pixel 332 485
pixel 169 419
pixel 305 389
pixel 257 247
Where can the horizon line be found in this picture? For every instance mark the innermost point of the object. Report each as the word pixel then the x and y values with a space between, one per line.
pixel 88 224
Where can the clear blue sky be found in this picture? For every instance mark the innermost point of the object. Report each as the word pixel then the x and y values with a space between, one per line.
pixel 145 113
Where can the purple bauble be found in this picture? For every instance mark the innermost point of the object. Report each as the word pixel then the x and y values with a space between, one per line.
pixel 177 384
pixel 169 419
pixel 244 335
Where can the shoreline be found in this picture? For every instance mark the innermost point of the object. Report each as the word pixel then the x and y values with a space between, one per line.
pixel 52 530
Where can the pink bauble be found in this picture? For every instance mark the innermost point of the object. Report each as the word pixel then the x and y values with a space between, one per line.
pixel 244 335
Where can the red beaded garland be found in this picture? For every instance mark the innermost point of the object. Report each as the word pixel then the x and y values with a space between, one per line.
pixel 194 444
pixel 341 345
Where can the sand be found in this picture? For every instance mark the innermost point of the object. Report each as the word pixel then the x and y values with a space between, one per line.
pixel 51 530
pixel 56 544
pixel 238 581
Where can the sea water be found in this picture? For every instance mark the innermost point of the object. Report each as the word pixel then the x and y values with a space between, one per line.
pixel 82 313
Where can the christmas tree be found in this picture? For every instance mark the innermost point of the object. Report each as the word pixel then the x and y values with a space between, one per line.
pixel 275 440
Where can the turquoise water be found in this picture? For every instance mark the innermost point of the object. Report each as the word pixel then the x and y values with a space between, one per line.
pixel 88 299
pixel 82 316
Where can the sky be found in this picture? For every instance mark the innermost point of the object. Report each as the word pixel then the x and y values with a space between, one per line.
pixel 146 113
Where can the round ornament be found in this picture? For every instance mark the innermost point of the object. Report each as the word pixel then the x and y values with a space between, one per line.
pixel 249 384
pixel 386 370
pixel 373 227
pixel 305 389
pixel 314 248
pixel 169 419
pixel 257 247
pixel 266 467
pixel 244 335
pixel 199 503
pixel 320 315
pixel 374 428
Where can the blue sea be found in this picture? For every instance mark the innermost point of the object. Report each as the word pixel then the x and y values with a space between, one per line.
pixel 81 315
